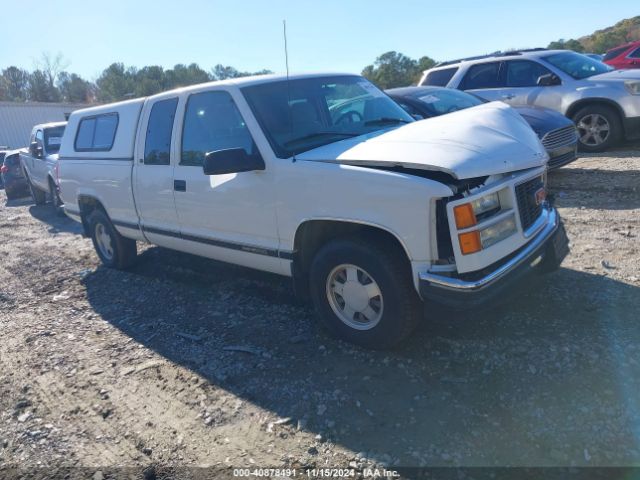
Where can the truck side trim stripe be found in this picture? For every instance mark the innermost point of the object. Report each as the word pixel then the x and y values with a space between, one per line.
pixel 221 243
pixel 90 159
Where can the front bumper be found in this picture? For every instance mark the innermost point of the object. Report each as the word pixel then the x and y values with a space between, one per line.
pixel 542 254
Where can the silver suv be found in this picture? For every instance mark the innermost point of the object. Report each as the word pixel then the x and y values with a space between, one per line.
pixel 604 104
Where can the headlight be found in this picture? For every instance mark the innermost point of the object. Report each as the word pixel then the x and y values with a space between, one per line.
pixel 498 231
pixel 467 214
pixel 633 87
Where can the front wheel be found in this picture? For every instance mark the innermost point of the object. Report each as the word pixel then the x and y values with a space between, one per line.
pixel 54 197
pixel 363 292
pixel 39 197
pixel 599 128
pixel 114 250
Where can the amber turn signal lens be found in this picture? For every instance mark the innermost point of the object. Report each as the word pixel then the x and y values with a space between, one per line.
pixel 464 215
pixel 470 242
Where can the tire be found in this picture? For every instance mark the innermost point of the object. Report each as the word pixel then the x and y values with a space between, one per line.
pixel 39 197
pixel 114 250
pixel 54 198
pixel 606 122
pixel 389 317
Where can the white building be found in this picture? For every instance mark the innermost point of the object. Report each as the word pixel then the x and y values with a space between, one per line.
pixel 18 118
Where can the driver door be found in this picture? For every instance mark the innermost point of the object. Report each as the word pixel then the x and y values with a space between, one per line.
pixel 229 217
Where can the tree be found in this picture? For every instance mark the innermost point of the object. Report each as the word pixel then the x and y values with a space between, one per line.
pixel 221 72
pixel 116 83
pixel 40 90
pixel 149 81
pixel 181 76
pixel 74 89
pixel 13 84
pixel 571 44
pixel 393 69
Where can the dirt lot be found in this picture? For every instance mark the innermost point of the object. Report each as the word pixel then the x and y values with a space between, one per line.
pixel 188 362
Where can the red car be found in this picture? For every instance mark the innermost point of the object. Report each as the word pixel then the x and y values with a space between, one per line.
pixel 624 56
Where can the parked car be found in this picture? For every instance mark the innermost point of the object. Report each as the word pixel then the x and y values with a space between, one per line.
pixel 556 132
pixel 624 56
pixel 327 180
pixel 3 152
pixel 40 163
pixel 604 105
pixel 15 185
pixel 595 56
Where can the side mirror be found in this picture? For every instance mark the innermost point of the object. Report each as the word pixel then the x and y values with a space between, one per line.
pixel 548 80
pixel 36 150
pixel 231 160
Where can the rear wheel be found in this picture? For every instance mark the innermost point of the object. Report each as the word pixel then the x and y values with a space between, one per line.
pixel 363 292
pixel 599 128
pixel 114 250
pixel 39 196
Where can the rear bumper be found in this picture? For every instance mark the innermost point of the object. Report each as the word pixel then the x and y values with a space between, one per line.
pixel 632 128
pixel 542 254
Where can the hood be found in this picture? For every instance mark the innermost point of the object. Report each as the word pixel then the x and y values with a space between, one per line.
pixel 617 75
pixel 542 120
pixel 484 140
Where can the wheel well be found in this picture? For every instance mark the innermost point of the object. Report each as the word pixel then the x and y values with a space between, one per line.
pixel 313 234
pixel 571 111
pixel 87 206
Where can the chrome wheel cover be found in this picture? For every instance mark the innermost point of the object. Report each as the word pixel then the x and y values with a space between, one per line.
pixel 355 297
pixel 103 241
pixel 594 129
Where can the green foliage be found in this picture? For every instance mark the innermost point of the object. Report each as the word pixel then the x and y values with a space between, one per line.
pixel 393 69
pixel 73 88
pixel 13 84
pixel 221 72
pixel 41 89
pixel 627 30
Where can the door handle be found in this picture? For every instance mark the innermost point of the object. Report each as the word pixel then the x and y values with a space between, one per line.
pixel 180 185
pixel 509 96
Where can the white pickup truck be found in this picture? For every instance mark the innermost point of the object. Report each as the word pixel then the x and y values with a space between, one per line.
pixel 325 179
pixel 40 162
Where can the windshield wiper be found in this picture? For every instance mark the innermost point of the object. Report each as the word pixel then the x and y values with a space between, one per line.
pixel 311 136
pixel 385 120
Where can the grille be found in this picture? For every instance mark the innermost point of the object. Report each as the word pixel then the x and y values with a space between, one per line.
pixel 560 160
pixel 529 209
pixel 560 138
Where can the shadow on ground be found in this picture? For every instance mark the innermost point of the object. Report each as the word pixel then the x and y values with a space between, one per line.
pixel 550 378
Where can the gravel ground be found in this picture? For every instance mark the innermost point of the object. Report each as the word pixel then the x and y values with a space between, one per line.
pixel 183 361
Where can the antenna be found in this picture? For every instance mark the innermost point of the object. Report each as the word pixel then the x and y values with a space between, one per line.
pixel 286 60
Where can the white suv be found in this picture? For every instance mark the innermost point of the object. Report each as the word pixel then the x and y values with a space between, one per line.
pixel 604 104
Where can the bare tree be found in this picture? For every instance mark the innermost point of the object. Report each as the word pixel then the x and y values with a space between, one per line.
pixel 52 66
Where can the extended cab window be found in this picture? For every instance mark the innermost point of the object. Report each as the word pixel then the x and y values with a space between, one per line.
pixel 440 78
pixel 524 73
pixel 96 134
pixel 483 75
pixel 212 122
pixel 158 140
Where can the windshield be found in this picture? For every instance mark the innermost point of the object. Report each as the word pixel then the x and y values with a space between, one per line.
pixel 52 139
pixel 312 112
pixel 439 102
pixel 577 65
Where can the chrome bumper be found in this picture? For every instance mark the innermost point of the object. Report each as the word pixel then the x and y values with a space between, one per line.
pixel 550 245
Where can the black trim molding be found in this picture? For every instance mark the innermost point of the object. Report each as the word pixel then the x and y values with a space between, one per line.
pixel 269 252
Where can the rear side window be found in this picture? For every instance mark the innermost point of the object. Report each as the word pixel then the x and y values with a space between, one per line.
pixel 212 122
pixel 157 147
pixel 483 75
pixel 635 53
pixel 614 53
pixel 440 78
pixel 524 73
pixel 96 134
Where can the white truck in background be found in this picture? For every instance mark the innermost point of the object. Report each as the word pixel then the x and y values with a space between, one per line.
pixel 40 163
pixel 325 179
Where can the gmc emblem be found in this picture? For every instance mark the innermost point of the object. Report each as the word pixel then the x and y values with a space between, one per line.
pixel 540 196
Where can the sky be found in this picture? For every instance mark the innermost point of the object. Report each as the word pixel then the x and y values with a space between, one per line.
pixel 323 35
